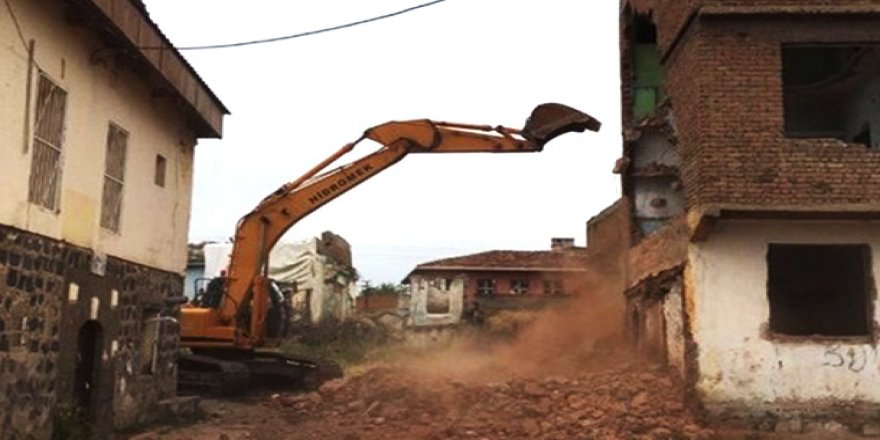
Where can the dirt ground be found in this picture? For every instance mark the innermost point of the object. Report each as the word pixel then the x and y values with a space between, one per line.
pixel 406 402
pixel 558 379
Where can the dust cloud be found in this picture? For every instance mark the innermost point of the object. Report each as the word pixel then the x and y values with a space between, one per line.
pixel 579 335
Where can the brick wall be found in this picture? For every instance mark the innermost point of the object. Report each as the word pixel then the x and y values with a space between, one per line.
pixel 660 252
pixel 372 303
pixel 724 81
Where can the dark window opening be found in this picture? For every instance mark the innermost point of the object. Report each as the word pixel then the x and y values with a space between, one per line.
pixel 820 290
pixel 519 287
pixel 552 287
pixel 159 175
pixel 830 91
pixel 647 73
pixel 485 286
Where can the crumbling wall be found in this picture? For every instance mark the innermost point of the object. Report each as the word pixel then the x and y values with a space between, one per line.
pixel 50 291
pixel 427 292
pixel 746 369
pixel 673 319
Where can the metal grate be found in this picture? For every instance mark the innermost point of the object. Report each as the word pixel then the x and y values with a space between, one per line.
pixel 45 179
pixel 114 178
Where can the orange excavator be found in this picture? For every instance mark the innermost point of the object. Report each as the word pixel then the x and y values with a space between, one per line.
pixel 229 327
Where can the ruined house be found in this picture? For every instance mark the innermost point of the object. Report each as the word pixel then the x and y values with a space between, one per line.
pixel 99 130
pixel 751 170
pixel 499 279
pixel 317 275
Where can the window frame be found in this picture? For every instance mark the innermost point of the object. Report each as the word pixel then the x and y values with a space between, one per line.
pixel 117 180
pixel 39 142
pixel 868 295
pixel 519 286
pixel 486 286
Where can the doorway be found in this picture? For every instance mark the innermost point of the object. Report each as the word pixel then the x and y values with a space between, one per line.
pixel 88 362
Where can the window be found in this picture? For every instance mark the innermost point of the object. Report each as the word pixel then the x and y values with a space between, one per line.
pixel 829 91
pixel 485 286
pixel 647 75
pixel 819 289
pixel 45 179
pixel 552 287
pixel 114 178
pixel 519 287
pixel 159 178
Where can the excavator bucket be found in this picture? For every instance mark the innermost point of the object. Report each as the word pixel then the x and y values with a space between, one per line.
pixel 550 120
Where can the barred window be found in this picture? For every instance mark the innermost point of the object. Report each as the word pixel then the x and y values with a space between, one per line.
pixel 485 286
pixel 519 287
pixel 45 179
pixel 114 178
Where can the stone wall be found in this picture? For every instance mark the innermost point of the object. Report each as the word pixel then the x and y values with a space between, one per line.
pixel 53 296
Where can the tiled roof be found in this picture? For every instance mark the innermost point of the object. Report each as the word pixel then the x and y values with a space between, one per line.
pixel 560 260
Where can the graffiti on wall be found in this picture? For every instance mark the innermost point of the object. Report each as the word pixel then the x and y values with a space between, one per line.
pixel 852 358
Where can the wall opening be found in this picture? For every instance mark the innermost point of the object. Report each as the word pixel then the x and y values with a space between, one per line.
pixel 832 91
pixel 149 340
pixel 823 290
pixel 88 363
pixel 647 74
pixel 439 299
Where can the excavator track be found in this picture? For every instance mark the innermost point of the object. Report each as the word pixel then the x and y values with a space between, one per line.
pixel 222 373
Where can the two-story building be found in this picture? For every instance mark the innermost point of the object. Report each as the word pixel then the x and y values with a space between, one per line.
pixel 752 167
pixel 100 119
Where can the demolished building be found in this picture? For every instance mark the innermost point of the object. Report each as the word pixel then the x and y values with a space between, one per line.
pixel 97 154
pixel 317 275
pixel 441 290
pixel 752 170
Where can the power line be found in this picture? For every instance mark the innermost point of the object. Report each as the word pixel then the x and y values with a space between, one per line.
pixel 303 34
pixel 17 26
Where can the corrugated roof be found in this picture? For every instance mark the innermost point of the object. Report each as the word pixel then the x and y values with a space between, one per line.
pixel 129 23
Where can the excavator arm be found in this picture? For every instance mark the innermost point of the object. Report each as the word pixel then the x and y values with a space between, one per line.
pixel 241 318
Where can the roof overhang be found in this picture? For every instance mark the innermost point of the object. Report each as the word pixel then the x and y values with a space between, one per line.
pixel 128 24
pixel 702 221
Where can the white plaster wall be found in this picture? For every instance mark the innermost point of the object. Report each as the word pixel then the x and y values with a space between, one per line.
pixel 421 288
pixel 737 361
pixel 155 220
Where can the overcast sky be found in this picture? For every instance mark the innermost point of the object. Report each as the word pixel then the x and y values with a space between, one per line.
pixel 475 61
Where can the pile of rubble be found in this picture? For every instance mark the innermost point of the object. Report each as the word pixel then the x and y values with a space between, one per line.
pixel 629 401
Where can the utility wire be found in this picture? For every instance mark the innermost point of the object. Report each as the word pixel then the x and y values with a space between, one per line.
pixel 17 26
pixel 302 34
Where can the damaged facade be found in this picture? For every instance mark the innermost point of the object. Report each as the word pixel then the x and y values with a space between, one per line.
pixel 752 168
pixel 316 275
pixel 441 290
pixel 94 211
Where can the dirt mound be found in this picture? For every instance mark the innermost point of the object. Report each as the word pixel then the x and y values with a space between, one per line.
pixel 629 401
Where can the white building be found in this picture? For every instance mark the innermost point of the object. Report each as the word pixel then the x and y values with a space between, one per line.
pixel 100 119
